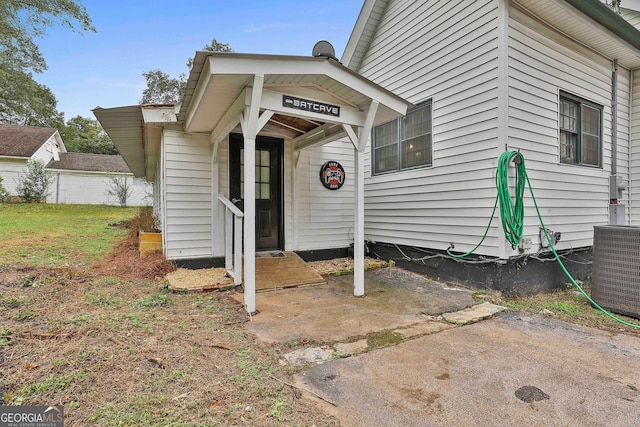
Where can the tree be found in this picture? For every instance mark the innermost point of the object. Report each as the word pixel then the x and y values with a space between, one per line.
pixel 84 135
pixel 163 89
pixel 33 186
pixel 214 46
pixel 23 101
pixel 22 21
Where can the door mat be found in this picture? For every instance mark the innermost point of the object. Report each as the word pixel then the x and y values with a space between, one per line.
pixel 271 254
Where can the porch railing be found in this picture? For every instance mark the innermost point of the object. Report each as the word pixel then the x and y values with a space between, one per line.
pixel 232 239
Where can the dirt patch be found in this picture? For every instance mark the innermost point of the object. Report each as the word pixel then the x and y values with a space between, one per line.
pixel 340 266
pixel 204 279
pixel 116 347
pixel 125 262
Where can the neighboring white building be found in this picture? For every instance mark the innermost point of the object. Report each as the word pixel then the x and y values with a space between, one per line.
pixel 20 144
pixel 79 178
pixel 82 178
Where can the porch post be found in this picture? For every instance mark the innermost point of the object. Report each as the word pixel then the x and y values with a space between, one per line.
pixel 250 131
pixel 358 228
pixel 249 224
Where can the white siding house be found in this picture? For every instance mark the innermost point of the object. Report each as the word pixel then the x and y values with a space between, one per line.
pixel 554 80
pixel 502 75
pixel 19 145
pixel 78 178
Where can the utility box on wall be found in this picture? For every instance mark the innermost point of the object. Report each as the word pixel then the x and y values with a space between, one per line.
pixel 615 279
pixel 617 214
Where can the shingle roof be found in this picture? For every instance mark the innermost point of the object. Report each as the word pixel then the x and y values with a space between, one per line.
pixel 90 162
pixel 22 141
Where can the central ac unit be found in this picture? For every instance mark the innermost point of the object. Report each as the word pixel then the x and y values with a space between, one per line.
pixel 615 277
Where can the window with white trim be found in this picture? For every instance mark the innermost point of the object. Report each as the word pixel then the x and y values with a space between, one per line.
pixel 580 124
pixel 404 143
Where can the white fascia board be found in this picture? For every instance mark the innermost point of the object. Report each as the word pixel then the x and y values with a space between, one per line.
pixel 358 29
pixel 198 93
pixel 157 114
pixel 62 147
pixel 84 172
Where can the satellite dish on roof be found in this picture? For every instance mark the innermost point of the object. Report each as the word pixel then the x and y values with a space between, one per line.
pixel 323 48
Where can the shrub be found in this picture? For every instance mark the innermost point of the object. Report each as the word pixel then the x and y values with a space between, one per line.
pixel 119 189
pixel 33 186
pixel 4 194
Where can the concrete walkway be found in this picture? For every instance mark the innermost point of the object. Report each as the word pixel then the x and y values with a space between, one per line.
pixel 330 313
pixel 415 352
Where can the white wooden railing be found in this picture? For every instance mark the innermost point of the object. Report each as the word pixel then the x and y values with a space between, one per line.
pixel 232 239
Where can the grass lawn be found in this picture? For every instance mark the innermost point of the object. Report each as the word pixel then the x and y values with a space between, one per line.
pixel 48 234
pixel 85 323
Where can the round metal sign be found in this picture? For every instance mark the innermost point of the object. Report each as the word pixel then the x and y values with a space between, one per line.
pixel 332 175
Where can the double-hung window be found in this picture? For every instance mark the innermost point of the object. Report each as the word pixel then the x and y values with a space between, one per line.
pixel 580 131
pixel 404 143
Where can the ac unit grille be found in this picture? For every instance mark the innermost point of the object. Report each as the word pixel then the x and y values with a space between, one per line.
pixel 615 277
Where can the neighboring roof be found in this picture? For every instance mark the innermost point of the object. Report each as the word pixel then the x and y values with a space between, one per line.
pixel 90 163
pixel 23 141
pixel 588 21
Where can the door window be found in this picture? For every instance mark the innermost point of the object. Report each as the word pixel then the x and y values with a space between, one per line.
pixel 263 174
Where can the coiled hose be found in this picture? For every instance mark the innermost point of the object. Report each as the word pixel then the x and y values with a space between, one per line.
pixel 512 216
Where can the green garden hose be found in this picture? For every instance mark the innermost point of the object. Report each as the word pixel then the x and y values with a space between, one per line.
pixel 513 217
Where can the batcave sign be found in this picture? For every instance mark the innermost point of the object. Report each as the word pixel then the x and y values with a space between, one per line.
pixel 310 105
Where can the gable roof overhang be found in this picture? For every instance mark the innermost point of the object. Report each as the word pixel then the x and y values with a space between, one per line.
pixel 220 88
pixel 136 131
pixel 593 24
pixel 590 22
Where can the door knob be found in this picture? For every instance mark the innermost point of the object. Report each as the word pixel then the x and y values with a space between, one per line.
pixel 234 200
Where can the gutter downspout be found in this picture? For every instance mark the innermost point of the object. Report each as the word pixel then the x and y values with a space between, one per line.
pixel 617 214
pixel 614 119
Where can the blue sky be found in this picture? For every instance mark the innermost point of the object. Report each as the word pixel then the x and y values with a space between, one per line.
pixel 133 36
